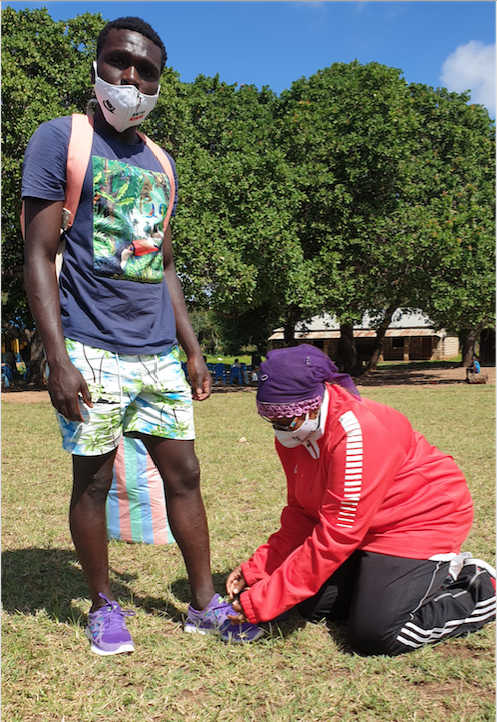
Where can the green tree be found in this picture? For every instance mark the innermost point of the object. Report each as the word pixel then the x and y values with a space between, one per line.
pixel 45 74
pixel 235 242
pixel 349 130
pixel 456 168
pixel 352 192
pixel 438 253
pixel 382 164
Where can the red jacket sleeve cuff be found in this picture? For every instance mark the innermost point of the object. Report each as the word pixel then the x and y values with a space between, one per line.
pixel 247 607
pixel 248 575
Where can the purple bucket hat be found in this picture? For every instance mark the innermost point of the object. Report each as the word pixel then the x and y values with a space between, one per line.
pixel 292 380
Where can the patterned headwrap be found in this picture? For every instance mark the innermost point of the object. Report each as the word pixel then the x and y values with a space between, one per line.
pixel 291 381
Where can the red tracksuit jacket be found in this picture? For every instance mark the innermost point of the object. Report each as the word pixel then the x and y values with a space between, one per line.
pixel 378 485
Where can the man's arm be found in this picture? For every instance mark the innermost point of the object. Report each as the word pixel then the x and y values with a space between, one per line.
pixel 65 383
pixel 199 373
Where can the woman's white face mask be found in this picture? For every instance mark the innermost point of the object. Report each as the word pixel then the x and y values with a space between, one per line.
pixel 291 439
pixel 123 106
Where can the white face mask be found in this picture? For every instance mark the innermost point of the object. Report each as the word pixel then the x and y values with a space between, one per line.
pixel 291 439
pixel 123 106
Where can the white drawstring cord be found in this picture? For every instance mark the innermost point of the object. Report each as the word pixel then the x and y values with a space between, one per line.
pixel 156 369
pixel 121 397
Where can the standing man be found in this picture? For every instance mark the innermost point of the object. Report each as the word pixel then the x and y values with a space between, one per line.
pixel 110 328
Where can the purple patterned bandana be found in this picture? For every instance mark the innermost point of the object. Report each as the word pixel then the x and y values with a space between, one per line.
pixel 292 380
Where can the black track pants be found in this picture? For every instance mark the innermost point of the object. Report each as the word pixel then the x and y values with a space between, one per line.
pixel 394 605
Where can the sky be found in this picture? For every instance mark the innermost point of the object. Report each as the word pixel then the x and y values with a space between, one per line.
pixel 449 43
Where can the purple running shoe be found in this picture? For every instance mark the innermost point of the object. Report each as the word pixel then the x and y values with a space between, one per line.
pixel 107 629
pixel 214 620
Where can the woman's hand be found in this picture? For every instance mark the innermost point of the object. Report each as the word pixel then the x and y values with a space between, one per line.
pixel 234 585
pixel 236 582
pixel 239 617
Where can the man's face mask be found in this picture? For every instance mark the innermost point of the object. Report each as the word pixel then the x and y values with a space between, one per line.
pixel 123 106
pixel 291 439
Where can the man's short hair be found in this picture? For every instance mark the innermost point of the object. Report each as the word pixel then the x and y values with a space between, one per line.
pixel 138 26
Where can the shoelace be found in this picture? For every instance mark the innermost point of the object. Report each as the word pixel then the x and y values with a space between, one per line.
pixel 116 614
pixel 220 612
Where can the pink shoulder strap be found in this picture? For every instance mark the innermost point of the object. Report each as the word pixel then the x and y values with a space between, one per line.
pixel 78 157
pixel 168 170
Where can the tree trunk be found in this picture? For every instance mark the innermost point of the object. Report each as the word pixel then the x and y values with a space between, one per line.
pixel 288 334
pixel 487 346
pixel 469 345
pixel 289 327
pixel 347 350
pixel 380 335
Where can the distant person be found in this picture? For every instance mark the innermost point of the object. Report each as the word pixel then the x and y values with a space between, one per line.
pixel 26 357
pixel 10 361
pixel 473 371
pixel 5 377
pixel 111 330
pixel 374 522
pixel 236 373
pixel 256 362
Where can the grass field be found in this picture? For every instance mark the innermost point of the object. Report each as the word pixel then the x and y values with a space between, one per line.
pixel 298 672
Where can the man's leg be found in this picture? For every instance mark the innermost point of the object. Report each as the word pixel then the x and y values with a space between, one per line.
pixel 92 478
pixel 106 627
pixel 179 468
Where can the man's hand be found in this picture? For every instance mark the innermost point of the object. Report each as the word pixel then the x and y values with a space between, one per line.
pixel 66 386
pixel 200 378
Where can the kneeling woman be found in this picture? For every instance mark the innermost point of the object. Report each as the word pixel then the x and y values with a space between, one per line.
pixel 374 521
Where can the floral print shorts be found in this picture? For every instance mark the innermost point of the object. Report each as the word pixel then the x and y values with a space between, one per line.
pixel 131 395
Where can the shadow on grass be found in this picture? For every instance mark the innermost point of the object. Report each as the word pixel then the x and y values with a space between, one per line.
pixel 37 579
pixel 48 579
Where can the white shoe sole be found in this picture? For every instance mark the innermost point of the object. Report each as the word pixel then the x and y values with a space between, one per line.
pixel 126 647
pixel 193 629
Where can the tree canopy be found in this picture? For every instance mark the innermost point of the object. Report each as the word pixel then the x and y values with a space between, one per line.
pixel 352 192
pixel 45 74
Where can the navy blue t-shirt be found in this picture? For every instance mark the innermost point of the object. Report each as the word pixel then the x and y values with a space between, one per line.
pixel 113 294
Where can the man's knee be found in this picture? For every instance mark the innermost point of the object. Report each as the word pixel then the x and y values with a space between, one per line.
pixel 93 476
pixel 185 479
pixel 177 463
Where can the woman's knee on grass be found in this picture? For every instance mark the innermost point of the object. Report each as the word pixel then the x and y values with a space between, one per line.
pixel 374 640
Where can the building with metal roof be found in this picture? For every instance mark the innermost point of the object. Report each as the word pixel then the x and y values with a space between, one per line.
pixel 410 336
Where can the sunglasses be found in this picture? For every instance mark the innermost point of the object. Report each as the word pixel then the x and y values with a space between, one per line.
pixel 280 427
